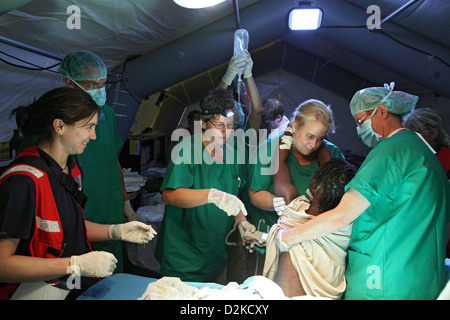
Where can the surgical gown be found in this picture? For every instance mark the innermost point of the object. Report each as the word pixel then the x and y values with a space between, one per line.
pixel 191 242
pixel 397 247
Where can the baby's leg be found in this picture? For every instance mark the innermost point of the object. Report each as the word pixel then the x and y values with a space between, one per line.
pixel 287 277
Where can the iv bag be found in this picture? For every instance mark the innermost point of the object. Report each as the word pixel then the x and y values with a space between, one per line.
pixel 240 41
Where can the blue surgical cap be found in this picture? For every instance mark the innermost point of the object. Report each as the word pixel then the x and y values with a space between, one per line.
pixel 397 102
pixel 83 65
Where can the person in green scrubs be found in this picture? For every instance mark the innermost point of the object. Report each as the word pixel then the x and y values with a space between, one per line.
pixel 398 203
pixel 103 181
pixel 200 190
pixel 312 122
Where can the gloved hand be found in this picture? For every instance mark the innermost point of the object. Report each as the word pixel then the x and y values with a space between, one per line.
pixel 130 214
pixel 279 205
pixel 283 247
pixel 229 203
pixel 97 264
pixel 245 226
pixel 287 139
pixel 235 66
pixel 134 231
pixel 248 65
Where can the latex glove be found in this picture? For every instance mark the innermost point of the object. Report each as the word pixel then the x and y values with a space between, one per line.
pixel 283 247
pixel 229 203
pixel 245 226
pixel 287 139
pixel 235 66
pixel 279 205
pixel 135 231
pixel 97 264
pixel 130 214
pixel 248 65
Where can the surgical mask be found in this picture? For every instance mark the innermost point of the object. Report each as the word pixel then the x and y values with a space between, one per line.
pixel 365 131
pixel 98 95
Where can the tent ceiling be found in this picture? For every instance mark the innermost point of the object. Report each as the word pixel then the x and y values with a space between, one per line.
pixel 338 59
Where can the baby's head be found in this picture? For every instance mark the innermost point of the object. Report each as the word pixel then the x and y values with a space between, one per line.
pixel 328 183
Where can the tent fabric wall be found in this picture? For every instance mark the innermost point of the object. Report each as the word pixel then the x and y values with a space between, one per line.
pixel 293 90
pixel 156 44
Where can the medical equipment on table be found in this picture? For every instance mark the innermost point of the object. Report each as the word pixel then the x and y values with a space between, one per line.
pixel 254 240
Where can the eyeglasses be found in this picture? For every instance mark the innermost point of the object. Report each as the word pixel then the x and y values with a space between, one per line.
pixel 359 122
pixel 92 85
pixel 222 125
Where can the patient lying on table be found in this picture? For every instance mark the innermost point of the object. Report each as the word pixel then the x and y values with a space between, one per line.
pixel 315 267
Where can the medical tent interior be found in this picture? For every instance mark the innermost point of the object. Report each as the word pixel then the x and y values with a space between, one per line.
pixel 162 58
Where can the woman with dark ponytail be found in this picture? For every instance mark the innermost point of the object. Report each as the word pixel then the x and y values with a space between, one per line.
pixel 44 239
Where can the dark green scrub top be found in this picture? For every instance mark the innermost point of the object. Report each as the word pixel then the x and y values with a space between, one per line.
pixel 191 242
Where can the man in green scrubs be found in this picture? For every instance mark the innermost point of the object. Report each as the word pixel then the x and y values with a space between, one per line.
pixel 200 191
pixel 102 178
pixel 398 203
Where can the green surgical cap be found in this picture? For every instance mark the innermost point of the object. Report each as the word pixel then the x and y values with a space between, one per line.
pixel 397 102
pixel 83 65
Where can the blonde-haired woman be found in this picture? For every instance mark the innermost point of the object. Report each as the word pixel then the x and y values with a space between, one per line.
pixel 311 123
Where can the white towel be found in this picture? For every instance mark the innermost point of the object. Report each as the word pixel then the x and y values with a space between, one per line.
pixel 320 263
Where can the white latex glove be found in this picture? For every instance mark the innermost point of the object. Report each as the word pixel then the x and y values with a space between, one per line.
pixel 244 226
pixel 135 231
pixel 279 205
pixel 97 264
pixel 130 214
pixel 235 66
pixel 248 65
pixel 287 139
pixel 229 203
pixel 283 247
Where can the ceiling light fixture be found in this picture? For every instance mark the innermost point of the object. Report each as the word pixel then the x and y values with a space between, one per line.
pixel 197 4
pixel 305 17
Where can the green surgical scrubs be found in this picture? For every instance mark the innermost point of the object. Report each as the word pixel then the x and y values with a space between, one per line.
pixel 300 176
pixel 191 242
pixel 397 247
pixel 102 182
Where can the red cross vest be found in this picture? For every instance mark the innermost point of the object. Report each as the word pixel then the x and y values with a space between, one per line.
pixel 47 239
